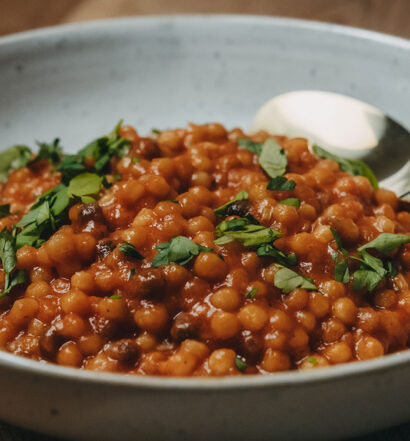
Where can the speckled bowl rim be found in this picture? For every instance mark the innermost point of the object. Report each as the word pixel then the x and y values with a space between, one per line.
pixel 283 379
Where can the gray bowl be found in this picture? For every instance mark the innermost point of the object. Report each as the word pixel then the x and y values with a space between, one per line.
pixel 75 82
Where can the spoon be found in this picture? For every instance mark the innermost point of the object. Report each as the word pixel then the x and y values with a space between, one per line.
pixel 344 126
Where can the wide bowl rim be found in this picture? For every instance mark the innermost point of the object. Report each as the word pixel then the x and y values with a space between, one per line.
pixel 282 379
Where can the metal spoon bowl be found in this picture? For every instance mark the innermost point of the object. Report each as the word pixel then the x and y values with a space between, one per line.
pixel 344 126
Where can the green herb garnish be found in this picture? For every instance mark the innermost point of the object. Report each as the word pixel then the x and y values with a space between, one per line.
pixel 279 256
pixel 15 157
pixel 220 211
pixel 156 131
pixel 280 183
pixel 135 159
pixel 352 166
pixel 5 210
pixel 130 251
pixel 251 294
pixel 8 259
pixel 115 297
pixel 312 360
pixel 294 202
pixel 247 233
pixel 51 152
pixel 85 186
pixel 179 249
pixel 132 273
pixel 273 158
pixel 240 364
pixel 386 242
pixel 288 280
pixel 254 147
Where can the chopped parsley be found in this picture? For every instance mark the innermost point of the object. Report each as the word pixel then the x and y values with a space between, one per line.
pixel 135 159
pixel 13 158
pixel 84 187
pixel 130 251
pixel 312 360
pixel 52 152
pixel 294 202
pixel 287 280
pixel 252 293
pixel 273 158
pixel 115 297
pixel 179 249
pixel 221 211
pixel 352 166
pixel 5 210
pixel 254 147
pixel 8 259
pixel 240 364
pixel 242 230
pixel 280 183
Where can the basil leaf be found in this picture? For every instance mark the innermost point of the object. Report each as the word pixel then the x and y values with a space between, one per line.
pixel 51 152
pixel 248 234
pixel 85 185
pixel 221 211
pixel 5 210
pixel 15 157
pixel 386 242
pixel 279 256
pixel 179 249
pixel 129 250
pixel 254 147
pixel 294 202
pixel 240 364
pixel 288 280
pixel 342 273
pixel 352 166
pixel 280 183
pixel 273 158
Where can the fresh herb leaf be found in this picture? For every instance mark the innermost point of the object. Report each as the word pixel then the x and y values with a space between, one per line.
pixel 288 280
pixel 251 294
pixel 15 157
pixel 337 238
pixel 70 166
pixel 279 256
pixel 134 159
pixel 8 259
pixel 156 131
pixel 342 273
pixel 100 151
pixel 130 251
pixel 248 234
pixel 241 196
pixel 5 210
pixel 280 183
pixel 386 242
pixel 273 158
pixel 84 186
pixel 115 297
pixel 51 152
pixel 179 249
pixel 254 147
pixel 294 202
pixel 392 269
pixel 117 177
pixel 352 166
pixel 240 364
pixel 46 215
pixel 312 360
pixel 365 278
pixel 370 273
pixel 174 201
pixel 132 273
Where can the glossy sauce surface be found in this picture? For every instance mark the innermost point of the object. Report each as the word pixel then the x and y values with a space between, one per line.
pixel 89 305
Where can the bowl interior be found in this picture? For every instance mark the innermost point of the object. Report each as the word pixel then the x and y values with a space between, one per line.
pixel 75 82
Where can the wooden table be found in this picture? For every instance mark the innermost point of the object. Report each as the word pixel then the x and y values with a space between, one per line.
pixel 390 16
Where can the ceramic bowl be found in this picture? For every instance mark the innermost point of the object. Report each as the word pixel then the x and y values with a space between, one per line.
pixel 75 82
